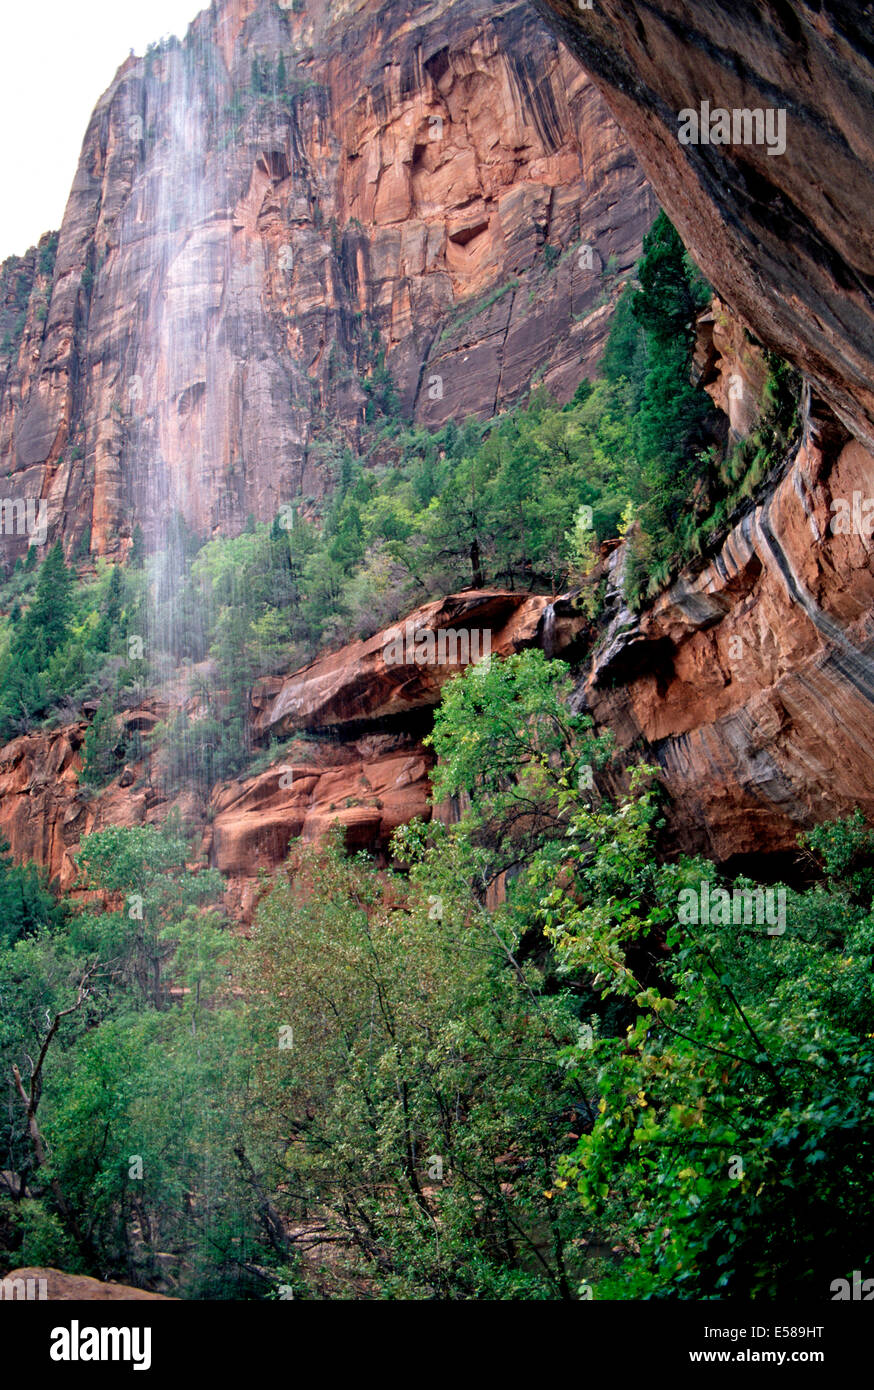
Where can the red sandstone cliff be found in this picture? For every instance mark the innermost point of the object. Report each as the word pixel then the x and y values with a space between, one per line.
pixel 243 243
pixel 359 761
pixel 750 680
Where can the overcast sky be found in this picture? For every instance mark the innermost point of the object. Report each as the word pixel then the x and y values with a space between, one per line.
pixel 57 57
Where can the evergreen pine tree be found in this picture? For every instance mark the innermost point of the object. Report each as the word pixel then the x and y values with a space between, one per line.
pixel 46 623
pixel 109 629
pixel 26 903
pixel 104 750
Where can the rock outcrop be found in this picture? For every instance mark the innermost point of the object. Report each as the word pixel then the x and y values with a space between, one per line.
pixel 352 756
pixel 750 680
pixel 58 1287
pixel 271 215
pixel 402 668
pixel 786 238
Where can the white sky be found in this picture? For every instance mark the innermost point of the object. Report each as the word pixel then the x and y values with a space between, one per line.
pixel 57 57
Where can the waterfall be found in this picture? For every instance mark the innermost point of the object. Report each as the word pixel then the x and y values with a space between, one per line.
pixel 165 268
pixel 547 631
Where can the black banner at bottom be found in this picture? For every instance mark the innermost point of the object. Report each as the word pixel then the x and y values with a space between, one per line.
pixel 87 1340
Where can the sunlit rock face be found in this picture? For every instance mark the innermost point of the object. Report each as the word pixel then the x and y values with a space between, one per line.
pixel 786 238
pixel 265 212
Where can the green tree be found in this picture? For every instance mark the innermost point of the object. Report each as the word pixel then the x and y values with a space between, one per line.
pixel 27 905
pixel 104 749
pixel 110 630
pixel 46 624
pixel 725 1159
pixel 146 868
pixel 413 1070
pixel 676 419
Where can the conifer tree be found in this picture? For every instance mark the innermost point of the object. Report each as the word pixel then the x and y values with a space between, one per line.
pixel 46 624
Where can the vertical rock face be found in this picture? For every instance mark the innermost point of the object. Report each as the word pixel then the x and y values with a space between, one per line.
pixel 751 682
pixel 750 679
pixel 786 238
pixel 267 215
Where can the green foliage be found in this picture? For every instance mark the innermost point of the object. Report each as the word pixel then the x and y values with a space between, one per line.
pixel 417 1084
pixel 419 514
pixel 105 749
pixel 203 751
pixel 724 1158
pixel 136 1064
pixel 47 254
pixel 504 734
pixel 731 1066
pixel 747 464
pixel 27 906
pixel 65 643
pixel 675 420
pixel 16 284
pixel 846 851
pixel 511 1071
pixel 40 1239
pixel 625 352
pixel 683 489
pixel 381 392
pixel 46 625
pixel 514 1070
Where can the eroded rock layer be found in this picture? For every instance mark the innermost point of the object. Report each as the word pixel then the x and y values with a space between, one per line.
pixel 352 758
pixel 751 682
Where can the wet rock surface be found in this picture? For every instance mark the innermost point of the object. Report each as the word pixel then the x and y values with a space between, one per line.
pixel 750 682
pixel 246 245
pixel 786 239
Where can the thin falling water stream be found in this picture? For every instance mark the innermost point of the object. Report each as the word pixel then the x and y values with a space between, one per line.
pixel 178 249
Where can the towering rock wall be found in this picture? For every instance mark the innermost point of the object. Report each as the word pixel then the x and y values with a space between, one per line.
pixel 268 213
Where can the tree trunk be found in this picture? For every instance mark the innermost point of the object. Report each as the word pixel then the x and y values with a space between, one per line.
pixel 476 565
